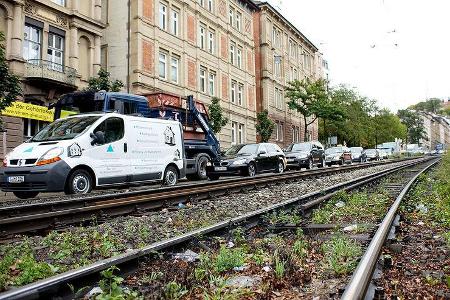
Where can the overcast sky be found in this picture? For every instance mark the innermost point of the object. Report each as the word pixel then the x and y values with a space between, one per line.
pixel 395 51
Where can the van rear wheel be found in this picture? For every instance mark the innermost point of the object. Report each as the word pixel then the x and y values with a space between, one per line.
pixel 170 176
pixel 25 195
pixel 80 182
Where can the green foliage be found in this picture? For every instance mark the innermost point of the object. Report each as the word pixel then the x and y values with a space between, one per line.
pixel 341 255
pixel 264 126
pixel 447 238
pixel 365 124
pixel 111 289
pixel 413 123
pixel 220 291
pixel 356 206
pixel 311 99
pixel 103 82
pixel 10 87
pixel 174 291
pixel 300 248
pixel 217 118
pixel 283 217
pixel 228 258
pixel 432 105
pixel 280 268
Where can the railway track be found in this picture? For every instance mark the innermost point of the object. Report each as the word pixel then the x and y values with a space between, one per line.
pixel 44 216
pixel 59 284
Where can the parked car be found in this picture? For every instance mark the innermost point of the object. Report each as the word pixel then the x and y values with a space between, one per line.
pixel 338 155
pixel 358 154
pixel 383 154
pixel 305 155
pixel 248 160
pixel 373 154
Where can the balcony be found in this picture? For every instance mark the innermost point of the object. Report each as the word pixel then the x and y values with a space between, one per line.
pixel 44 71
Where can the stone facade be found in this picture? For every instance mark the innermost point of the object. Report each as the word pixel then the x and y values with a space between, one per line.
pixel 437 131
pixel 285 54
pixel 202 48
pixel 54 47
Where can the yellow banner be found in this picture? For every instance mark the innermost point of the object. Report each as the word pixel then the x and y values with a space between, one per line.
pixel 32 111
pixel 29 111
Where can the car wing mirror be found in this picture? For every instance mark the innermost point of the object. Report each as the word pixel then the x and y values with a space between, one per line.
pixel 262 152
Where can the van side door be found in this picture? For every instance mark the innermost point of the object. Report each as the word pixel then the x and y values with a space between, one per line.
pixel 109 158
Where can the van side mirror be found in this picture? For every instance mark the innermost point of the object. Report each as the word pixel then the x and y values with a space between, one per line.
pixel 98 138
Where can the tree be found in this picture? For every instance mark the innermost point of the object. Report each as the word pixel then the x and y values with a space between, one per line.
pixel 104 83
pixel 432 105
pixel 216 116
pixel 310 98
pixel 414 125
pixel 264 126
pixel 389 127
pixel 10 87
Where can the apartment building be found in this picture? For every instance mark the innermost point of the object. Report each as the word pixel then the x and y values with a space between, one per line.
pixel 54 47
pixel 437 131
pixel 283 54
pixel 199 47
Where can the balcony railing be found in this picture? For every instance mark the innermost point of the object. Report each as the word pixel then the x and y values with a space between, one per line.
pixel 39 68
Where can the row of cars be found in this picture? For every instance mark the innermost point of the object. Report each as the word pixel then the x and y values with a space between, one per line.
pixel 251 159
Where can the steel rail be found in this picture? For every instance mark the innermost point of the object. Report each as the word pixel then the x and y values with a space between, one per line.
pixel 42 207
pixel 59 284
pixel 105 206
pixel 357 287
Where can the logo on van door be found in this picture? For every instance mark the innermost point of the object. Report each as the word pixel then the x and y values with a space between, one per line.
pixel 169 136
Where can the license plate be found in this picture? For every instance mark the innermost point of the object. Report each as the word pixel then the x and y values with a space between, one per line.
pixel 16 179
pixel 220 168
pixel 290 160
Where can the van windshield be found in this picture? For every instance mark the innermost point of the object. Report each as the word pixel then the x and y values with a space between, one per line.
pixel 64 129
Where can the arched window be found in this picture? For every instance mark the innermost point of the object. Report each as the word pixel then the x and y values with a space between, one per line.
pixel 85 58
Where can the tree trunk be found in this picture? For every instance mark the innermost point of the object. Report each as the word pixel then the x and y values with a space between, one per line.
pixel 325 135
pixel 305 130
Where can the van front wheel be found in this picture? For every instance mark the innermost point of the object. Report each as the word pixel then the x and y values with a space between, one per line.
pixel 25 195
pixel 170 176
pixel 80 182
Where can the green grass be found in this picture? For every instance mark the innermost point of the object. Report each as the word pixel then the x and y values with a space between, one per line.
pixel 357 206
pixel 341 255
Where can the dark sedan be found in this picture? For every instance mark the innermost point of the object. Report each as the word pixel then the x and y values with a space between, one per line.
pixel 373 154
pixel 358 154
pixel 248 160
pixel 305 155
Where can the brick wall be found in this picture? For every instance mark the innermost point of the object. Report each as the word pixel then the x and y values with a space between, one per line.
pixel 148 56
pixel 148 10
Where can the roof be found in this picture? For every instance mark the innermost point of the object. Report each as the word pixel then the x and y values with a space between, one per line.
pixel 261 4
pixel 251 3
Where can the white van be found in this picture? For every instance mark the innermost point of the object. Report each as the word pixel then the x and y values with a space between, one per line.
pixel 81 152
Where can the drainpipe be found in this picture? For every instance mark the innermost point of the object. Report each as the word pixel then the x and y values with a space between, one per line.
pixel 128 46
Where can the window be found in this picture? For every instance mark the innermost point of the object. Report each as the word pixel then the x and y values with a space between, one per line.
pixel 174 67
pixel 240 96
pixel 211 41
pixel 279 132
pixel 237 133
pixel 202 80
pixel 202 36
pixel 162 65
pixel 113 129
pixel 212 83
pixel 60 2
pixel 278 98
pixel 32 37
pixel 233 91
pixel 55 52
pixel 276 37
pixel 277 66
pixel 163 16
pixel 202 3
pixel 238 21
pixel 210 5
pixel 231 16
pixel 295 134
pixel 295 74
pixel 174 22
pixel 240 137
pixel 232 52
pixel 239 57
pixel 31 127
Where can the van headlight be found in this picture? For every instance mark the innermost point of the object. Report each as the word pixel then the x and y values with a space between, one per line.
pixel 337 157
pixel 51 156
